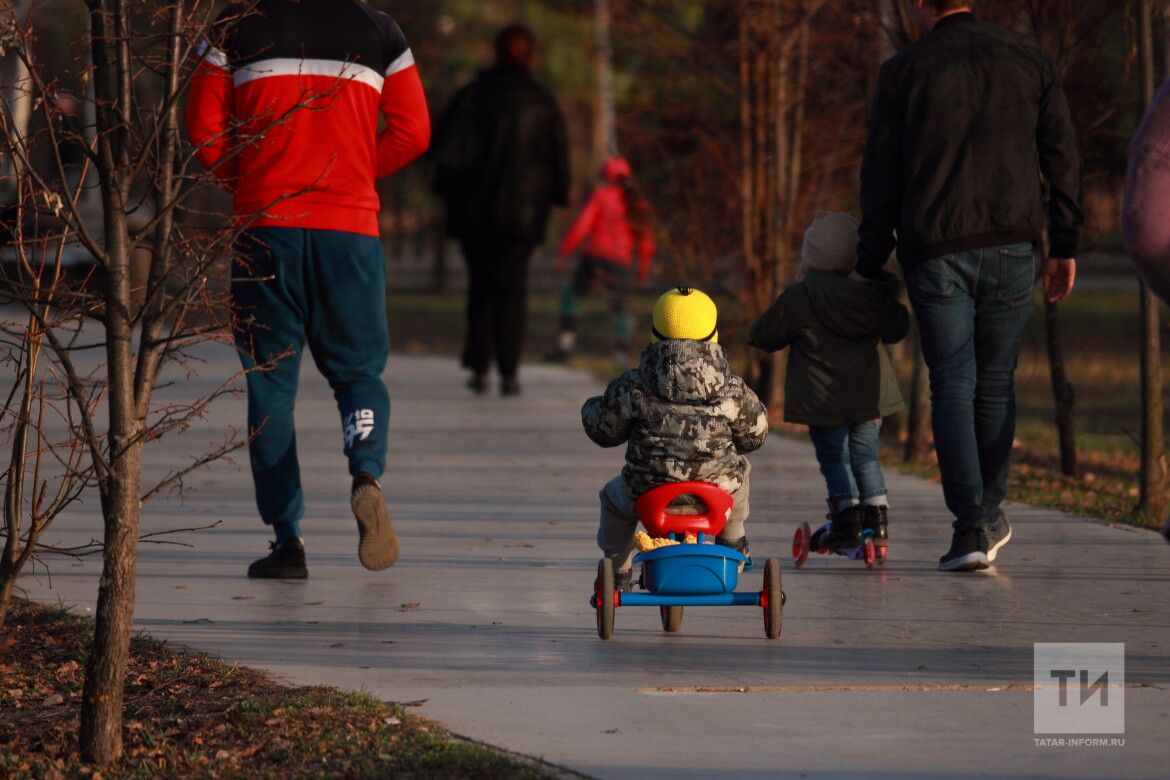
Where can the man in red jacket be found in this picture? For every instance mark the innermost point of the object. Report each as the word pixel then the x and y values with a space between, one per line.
pixel 284 110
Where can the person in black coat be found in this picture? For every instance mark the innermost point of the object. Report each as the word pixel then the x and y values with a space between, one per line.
pixel 501 157
pixel 964 125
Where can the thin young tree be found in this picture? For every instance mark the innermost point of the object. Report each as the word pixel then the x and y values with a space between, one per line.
pixel 1153 499
pixel 89 353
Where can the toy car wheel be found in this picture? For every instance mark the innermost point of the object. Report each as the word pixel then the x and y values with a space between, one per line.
pixel 772 599
pixel 603 594
pixel 868 552
pixel 671 618
pixel 881 556
pixel 800 543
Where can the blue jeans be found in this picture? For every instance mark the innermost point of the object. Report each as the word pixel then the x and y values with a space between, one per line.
pixel 972 310
pixel 848 455
pixel 325 288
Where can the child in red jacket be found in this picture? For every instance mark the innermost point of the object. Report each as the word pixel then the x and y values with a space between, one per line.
pixel 612 228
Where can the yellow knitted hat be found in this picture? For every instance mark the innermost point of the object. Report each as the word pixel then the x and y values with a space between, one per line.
pixel 683 313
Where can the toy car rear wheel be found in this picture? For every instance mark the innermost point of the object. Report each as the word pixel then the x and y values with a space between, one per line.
pixel 671 618
pixel 772 599
pixel 800 544
pixel 603 593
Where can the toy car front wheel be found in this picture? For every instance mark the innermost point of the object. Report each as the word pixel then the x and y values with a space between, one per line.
pixel 772 599
pixel 869 552
pixel 671 618
pixel 603 595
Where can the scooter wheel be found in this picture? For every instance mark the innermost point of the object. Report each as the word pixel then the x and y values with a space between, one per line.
pixel 881 556
pixel 869 552
pixel 603 594
pixel 800 544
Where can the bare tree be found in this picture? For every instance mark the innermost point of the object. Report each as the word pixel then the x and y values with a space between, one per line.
pixel 89 351
pixel 1152 499
pixel 605 141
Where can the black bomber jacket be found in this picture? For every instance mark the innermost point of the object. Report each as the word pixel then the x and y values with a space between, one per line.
pixel 963 124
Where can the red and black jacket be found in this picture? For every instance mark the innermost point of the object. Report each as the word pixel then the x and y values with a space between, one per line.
pixel 284 109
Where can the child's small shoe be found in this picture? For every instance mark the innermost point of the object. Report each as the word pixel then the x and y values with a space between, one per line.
pixel 740 545
pixel 875 520
pixel 844 531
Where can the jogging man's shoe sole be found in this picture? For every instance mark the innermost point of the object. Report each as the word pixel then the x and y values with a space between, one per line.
pixel 378 543
pixel 1007 537
pixel 974 561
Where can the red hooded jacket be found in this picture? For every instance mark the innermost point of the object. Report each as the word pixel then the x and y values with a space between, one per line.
pixel 604 230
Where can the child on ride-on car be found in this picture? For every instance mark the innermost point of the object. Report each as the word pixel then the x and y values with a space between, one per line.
pixel 684 417
pixel 839 382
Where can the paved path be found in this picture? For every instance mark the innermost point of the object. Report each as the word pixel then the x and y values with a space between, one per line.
pixel 905 671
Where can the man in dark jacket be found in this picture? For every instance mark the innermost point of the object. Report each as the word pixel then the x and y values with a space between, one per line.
pixel 501 158
pixel 962 125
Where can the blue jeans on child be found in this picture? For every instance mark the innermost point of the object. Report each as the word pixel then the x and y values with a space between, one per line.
pixel 972 310
pixel 848 455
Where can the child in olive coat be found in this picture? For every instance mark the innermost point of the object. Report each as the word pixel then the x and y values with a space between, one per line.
pixel 839 382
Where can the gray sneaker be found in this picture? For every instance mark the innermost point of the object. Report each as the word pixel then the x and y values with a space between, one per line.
pixel 999 533
pixel 378 543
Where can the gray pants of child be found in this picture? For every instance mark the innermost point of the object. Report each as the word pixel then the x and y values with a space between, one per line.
pixel 619 521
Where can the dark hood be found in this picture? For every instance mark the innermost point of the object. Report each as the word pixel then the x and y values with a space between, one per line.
pixel 847 307
pixel 685 370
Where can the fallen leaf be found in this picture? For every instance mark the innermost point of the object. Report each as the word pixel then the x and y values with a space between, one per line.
pixel 410 605
pixel 53 701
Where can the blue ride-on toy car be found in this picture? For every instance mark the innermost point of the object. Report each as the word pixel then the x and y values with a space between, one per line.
pixel 697 574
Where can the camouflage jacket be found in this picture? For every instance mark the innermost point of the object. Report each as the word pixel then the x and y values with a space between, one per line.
pixel 684 414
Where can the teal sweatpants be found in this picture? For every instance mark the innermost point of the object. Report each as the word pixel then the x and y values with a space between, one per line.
pixel 326 288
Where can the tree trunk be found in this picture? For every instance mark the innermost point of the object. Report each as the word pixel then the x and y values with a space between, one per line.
pixel 1063 393
pixel 604 124
pixel 101 708
pixel 1152 482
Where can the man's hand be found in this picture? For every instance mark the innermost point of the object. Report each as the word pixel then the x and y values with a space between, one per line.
pixel 1060 273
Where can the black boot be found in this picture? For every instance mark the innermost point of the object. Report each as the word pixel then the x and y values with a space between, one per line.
pixel 286 562
pixel 844 531
pixel 875 520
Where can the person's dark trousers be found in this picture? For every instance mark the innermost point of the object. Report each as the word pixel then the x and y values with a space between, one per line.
pixel 325 288
pixel 497 303
pixel 972 310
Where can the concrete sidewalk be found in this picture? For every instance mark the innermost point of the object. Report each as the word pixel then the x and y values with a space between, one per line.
pixel 485 620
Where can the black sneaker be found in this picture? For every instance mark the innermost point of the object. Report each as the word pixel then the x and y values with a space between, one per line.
pixel 478 384
pixel 378 544
pixel 999 533
pixel 876 519
pixel 844 530
pixel 968 551
pixel 509 385
pixel 286 562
